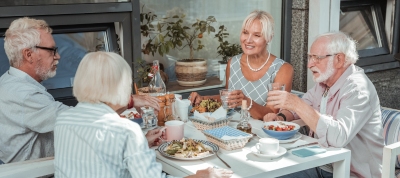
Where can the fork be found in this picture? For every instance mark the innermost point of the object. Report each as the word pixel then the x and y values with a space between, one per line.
pixel 216 153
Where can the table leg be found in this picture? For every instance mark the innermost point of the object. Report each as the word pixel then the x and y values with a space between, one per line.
pixel 341 169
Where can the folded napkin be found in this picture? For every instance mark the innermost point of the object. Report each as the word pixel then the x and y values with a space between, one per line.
pixel 227 137
pixel 308 151
pixel 219 114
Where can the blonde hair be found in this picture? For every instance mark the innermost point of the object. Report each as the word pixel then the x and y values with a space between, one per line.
pixel 266 20
pixel 23 33
pixel 103 77
pixel 341 43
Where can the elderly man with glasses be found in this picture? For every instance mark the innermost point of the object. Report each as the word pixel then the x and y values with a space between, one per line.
pixel 27 110
pixel 342 110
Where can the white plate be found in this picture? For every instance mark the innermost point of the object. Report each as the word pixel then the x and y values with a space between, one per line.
pixel 207 144
pixel 262 134
pixel 280 152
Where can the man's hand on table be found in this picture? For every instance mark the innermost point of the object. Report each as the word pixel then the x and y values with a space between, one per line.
pixel 155 137
pixel 212 173
pixel 144 100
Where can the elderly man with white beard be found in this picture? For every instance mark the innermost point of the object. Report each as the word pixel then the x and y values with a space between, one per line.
pixel 27 110
pixel 342 110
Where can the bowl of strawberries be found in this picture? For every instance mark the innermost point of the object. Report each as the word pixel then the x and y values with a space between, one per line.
pixel 133 116
pixel 280 130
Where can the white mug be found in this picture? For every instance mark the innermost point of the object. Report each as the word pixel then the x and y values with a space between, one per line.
pixel 268 146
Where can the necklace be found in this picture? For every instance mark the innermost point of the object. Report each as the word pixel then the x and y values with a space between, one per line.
pixel 256 70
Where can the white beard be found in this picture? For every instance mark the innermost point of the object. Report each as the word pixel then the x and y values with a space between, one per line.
pixel 330 70
pixel 44 73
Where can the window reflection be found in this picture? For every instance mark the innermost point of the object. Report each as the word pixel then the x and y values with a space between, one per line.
pixel 71 47
pixel 229 13
pixel 362 26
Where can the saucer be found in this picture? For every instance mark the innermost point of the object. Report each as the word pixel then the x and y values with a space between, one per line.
pixel 280 152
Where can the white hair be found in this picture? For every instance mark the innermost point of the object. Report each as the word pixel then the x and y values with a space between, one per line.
pixel 266 20
pixel 103 77
pixel 23 33
pixel 341 43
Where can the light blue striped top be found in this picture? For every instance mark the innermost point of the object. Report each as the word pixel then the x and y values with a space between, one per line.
pixel 27 117
pixel 91 140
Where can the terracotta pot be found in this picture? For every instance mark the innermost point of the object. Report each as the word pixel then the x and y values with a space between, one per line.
pixel 191 71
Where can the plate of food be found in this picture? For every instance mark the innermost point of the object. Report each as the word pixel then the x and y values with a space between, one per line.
pixel 188 149
pixel 208 105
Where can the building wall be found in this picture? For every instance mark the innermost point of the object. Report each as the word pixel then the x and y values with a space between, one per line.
pixel 298 56
pixel 386 82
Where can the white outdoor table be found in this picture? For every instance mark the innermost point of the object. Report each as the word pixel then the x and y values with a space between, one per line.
pixel 245 164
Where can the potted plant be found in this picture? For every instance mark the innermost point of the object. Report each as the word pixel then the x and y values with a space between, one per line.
pixel 172 33
pixel 226 50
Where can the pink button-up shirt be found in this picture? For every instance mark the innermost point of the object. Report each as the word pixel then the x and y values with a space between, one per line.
pixel 352 120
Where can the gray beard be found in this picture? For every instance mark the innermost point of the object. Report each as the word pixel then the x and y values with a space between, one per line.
pixel 44 74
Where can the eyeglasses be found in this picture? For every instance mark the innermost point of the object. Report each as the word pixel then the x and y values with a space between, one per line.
pixel 316 58
pixel 50 49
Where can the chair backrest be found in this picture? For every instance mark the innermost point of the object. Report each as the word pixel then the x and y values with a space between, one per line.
pixel 391 134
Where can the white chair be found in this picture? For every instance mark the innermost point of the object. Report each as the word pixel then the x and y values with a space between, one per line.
pixel 390 153
pixel 30 168
pixel 391 133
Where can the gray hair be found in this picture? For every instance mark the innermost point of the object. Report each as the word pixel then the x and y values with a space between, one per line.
pixel 23 33
pixel 267 23
pixel 341 43
pixel 103 77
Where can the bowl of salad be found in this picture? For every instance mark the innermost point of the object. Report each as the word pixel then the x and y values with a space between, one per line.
pixel 280 130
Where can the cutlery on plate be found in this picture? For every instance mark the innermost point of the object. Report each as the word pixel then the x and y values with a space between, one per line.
pixel 308 144
pixel 216 153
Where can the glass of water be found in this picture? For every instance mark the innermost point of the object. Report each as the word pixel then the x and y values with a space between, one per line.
pixel 224 94
pixel 149 117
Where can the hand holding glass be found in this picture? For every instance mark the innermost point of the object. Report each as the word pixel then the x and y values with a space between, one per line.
pixel 224 94
pixel 275 86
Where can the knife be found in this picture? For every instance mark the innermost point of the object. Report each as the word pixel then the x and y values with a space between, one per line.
pixel 308 144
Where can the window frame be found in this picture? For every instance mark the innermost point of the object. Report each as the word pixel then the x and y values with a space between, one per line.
pixel 377 59
pixel 81 15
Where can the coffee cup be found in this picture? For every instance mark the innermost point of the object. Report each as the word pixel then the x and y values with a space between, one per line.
pixel 174 130
pixel 268 146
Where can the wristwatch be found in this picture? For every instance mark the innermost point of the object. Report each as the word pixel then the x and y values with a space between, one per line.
pixel 282 115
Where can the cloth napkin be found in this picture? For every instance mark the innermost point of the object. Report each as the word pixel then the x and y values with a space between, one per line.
pixel 226 137
pixel 219 114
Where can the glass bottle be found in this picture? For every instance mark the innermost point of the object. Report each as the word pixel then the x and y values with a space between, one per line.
pixel 244 124
pixel 156 85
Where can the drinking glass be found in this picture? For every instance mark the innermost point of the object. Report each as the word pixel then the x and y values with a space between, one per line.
pixel 149 117
pixel 276 86
pixel 224 93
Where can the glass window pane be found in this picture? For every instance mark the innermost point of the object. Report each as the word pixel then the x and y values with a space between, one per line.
pixel 71 47
pixel 229 13
pixel 361 25
pixel 44 2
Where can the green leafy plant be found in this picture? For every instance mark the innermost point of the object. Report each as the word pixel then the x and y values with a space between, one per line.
pixel 170 33
pixel 142 72
pixel 225 49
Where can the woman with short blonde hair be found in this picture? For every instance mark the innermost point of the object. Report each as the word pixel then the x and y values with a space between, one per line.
pixel 103 77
